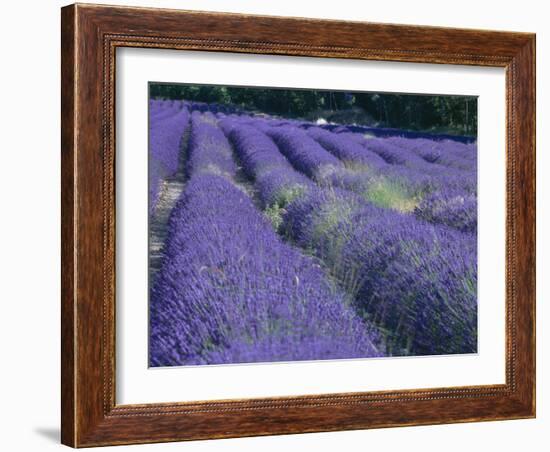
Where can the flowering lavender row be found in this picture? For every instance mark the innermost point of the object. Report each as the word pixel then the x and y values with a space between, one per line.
pixel 450 206
pixel 321 221
pixel 415 280
pixel 327 170
pixel 214 108
pixel 465 150
pixel 399 183
pixel 419 155
pixel 360 246
pixel 454 202
pixel 384 132
pixel 397 156
pixel 364 172
pixel 163 108
pixel 165 137
pixel 344 147
pixel 230 291
pixel 304 153
pixel 277 181
pixel 209 150
pixel 406 181
pixel 369 175
pixel 159 110
pixel 444 153
pixel 392 221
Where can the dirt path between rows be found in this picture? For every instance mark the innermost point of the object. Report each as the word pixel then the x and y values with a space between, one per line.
pixel 170 192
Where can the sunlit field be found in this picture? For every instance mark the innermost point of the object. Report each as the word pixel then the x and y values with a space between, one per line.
pixel 281 239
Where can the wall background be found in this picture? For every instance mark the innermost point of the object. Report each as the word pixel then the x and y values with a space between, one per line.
pixel 30 184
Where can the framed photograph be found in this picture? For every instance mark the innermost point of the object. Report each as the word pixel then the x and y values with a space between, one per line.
pixel 282 225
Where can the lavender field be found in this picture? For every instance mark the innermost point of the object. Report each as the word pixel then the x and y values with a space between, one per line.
pixel 276 239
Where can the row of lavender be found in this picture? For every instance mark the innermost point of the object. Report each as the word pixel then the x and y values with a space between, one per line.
pixel 385 132
pixel 435 179
pixel 415 280
pixel 168 123
pixel 231 290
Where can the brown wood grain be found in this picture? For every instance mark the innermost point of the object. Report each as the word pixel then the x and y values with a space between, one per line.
pixel 90 36
pixel 67 226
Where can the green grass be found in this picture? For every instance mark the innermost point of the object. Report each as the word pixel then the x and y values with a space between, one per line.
pixel 275 211
pixel 327 237
pixel 289 194
pixel 275 215
pixel 391 195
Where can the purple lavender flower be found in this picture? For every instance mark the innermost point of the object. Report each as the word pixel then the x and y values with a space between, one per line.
pixel 304 153
pixel 231 291
pixel 452 207
pixel 256 151
pixel 209 150
pixel 276 180
pixel 346 148
pixel 417 281
pixel 165 137
pixel 391 220
pixel 435 152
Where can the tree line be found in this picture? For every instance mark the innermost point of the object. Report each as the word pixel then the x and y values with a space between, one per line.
pixel 450 114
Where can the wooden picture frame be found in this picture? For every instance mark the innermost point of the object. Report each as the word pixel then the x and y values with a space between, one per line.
pixel 90 36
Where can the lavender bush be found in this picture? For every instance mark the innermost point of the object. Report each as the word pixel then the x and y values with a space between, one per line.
pixel 165 138
pixel 277 182
pixel 455 208
pixel 435 152
pixel 209 150
pixel 415 280
pixel 347 149
pixel 306 154
pixel 231 291
pixel 324 221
